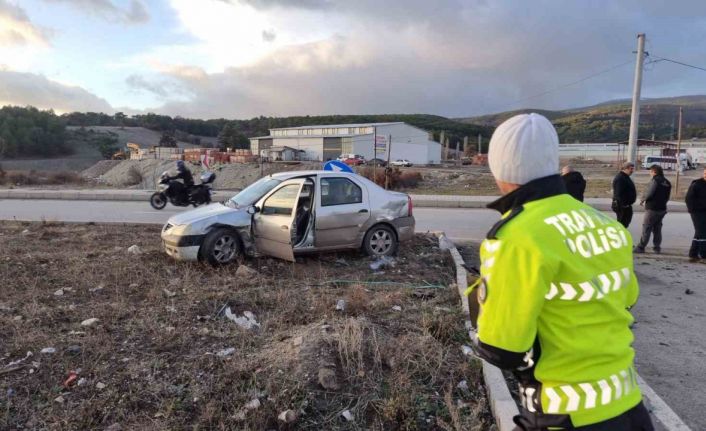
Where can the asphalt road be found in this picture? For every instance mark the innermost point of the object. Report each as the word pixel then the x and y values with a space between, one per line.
pixel 669 339
pixel 459 224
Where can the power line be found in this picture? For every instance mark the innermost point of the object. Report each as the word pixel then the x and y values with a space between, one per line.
pixel 679 62
pixel 561 87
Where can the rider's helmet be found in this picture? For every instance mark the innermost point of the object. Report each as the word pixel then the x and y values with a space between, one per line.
pixel 180 165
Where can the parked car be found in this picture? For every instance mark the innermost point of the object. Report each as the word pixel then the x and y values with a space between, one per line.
pixel 290 213
pixel 376 162
pixel 401 162
pixel 354 161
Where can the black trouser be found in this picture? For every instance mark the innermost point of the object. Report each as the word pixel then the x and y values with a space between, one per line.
pixel 652 223
pixel 698 244
pixel 635 419
pixel 624 214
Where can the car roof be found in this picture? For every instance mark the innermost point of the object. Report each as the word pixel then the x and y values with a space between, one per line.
pixel 293 174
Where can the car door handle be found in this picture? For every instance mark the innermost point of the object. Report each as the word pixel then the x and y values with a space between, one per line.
pixel 284 227
pixel 362 211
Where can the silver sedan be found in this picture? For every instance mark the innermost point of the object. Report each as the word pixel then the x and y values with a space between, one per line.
pixel 291 213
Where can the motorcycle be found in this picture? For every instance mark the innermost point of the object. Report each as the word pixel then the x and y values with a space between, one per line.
pixel 170 190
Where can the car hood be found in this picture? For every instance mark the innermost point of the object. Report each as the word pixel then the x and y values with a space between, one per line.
pixel 197 214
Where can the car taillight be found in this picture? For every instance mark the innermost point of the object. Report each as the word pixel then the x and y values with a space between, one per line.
pixel 409 206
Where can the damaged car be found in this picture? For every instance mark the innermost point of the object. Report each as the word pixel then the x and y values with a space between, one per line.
pixel 291 213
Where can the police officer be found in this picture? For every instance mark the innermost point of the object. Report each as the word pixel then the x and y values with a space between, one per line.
pixel 624 194
pixel 696 204
pixel 556 283
pixel 655 201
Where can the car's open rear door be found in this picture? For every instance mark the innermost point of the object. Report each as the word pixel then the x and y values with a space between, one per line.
pixel 272 225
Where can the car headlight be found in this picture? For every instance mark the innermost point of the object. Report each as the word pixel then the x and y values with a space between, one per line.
pixel 179 229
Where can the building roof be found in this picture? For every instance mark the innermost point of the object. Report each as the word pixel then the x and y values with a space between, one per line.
pixel 282 148
pixel 348 135
pixel 329 126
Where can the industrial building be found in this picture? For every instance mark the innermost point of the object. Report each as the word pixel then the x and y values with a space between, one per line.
pixel 370 140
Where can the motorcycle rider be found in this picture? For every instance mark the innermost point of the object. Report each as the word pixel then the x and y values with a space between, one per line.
pixel 184 174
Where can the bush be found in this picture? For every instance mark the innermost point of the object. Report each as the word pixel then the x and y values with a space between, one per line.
pixel 134 176
pixel 409 179
pixel 398 179
pixel 20 179
pixel 64 177
pixel 32 178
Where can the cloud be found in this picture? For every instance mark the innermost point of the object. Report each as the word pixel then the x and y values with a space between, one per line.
pixel 163 87
pixel 138 82
pixel 135 13
pixel 16 29
pixel 18 88
pixel 294 4
pixel 269 35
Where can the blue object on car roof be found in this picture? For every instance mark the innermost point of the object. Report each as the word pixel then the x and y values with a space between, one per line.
pixel 337 166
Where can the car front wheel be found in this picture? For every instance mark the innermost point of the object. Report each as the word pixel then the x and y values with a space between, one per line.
pixel 380 241
pixel 221 247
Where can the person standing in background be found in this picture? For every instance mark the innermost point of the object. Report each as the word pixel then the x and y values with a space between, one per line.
pixel 696 205
pixel 655 200
pixel 574 182
pixel 624 194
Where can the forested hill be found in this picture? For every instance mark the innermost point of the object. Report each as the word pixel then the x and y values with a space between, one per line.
pixel 610 121
pixel 260 126
pixel 29 132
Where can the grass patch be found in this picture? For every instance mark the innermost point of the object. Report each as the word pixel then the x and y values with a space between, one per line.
pixel 155 346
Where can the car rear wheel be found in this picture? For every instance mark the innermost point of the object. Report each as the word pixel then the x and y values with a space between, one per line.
pixel 221 247
pixel 380 241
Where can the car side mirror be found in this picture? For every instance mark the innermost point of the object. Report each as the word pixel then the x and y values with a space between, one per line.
pixel 252 209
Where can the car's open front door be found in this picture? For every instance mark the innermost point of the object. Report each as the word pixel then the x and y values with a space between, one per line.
pixel 272 225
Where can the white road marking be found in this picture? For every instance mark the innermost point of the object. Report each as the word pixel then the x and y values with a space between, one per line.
pixel 660 409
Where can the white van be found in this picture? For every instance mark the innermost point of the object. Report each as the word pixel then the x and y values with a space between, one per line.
pixel 666 162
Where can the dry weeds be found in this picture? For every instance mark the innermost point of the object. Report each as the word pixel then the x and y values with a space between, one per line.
pixel 155 346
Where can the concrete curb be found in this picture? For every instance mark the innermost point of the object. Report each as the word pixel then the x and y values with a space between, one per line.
pixel 502 405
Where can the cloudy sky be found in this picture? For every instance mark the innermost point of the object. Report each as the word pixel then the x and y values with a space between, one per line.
pixel 245 58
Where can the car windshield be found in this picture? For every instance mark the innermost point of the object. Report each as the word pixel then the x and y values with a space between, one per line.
pixel 250 194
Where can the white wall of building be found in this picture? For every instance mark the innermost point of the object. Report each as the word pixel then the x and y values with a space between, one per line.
pixel 408 142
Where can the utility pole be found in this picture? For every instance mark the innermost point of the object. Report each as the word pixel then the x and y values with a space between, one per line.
pixel 637 87
pixel 375 152
pixel 387 167
pixel 479 141
pixel 465 145
pixel 676 183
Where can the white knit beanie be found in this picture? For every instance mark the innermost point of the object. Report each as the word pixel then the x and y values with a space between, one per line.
pixel 524 148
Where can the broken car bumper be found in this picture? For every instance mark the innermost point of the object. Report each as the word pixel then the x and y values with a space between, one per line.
pixel 184 247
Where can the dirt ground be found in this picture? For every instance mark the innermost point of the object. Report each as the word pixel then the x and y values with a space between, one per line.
pixel 163 353
pixel 478 181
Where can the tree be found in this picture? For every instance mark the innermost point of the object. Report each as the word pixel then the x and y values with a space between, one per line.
pixel 231 137
pixel 120 119
pixel 167 140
